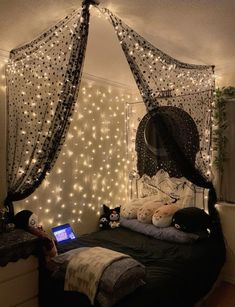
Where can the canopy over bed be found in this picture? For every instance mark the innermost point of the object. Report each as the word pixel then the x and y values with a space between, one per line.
pixel 43 79
pixel 173 139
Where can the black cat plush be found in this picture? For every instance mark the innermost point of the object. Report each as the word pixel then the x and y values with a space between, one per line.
pixel 110 218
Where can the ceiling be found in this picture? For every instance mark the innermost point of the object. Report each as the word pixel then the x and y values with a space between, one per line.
pixel 193 31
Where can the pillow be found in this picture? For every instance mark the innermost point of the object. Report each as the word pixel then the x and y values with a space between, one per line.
pixel 160 185
pixel 152 185
pixel 170 234
pixel 173 190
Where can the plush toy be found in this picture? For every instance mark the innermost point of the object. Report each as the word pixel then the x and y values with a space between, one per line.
pixel 129 210
pixel 25 219
pixel 191 219
pixel 110 218
pixel 145 213
pixel 28 221
pixel 162 217
pixel 103 222
pixel 114 217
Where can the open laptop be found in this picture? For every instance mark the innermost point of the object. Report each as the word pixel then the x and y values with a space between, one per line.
pixel 63 233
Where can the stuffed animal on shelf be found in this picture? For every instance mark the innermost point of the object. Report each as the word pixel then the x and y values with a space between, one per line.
pixel 28 221
pixel 162 217
pixel 192 219
pixel 25 219
pixel 145 213
pixel 110 218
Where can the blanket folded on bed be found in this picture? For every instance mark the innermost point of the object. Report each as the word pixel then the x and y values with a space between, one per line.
pixel 86 267
pixel 120 279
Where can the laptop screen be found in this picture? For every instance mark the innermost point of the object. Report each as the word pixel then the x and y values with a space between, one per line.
pixel 63 233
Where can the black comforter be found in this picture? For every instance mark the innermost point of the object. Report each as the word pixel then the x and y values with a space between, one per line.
pixel 177 274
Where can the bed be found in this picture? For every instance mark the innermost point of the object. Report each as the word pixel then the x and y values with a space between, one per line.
pixel 176 274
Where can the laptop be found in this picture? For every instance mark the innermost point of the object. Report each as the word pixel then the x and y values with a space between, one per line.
pixel 63 233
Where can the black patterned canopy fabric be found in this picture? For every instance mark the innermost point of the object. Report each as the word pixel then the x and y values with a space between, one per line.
pixel 43 79
pixel 152 146
pixel 178 96
pixel 165 81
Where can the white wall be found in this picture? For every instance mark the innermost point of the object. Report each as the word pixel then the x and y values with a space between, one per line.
pixel 3 58
pixel 227 215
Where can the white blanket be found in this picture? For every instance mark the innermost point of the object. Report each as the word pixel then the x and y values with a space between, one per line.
pixel 85 269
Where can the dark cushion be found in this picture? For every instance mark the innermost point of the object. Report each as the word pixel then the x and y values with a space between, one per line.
pixel 191 220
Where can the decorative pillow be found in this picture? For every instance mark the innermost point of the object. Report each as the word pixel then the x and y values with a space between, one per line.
pixel 191 219
pixel 145 213
pixel 152 185
pixel 162 217
pixel 173 190
pixel 160 185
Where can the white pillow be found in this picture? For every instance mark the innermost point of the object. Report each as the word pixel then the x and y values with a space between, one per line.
pixel 173 190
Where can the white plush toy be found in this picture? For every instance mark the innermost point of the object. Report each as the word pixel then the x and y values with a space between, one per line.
pixel 129 210
pixel 145 213
pixel 162 217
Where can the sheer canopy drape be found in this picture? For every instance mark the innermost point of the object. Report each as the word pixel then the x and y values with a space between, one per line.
pixel 165 81
pixel 170 89
pixel 43 79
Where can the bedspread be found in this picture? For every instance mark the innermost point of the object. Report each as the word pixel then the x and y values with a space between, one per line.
pixel 176 274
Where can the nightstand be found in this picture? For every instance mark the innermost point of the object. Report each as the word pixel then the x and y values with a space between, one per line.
pixel 18 269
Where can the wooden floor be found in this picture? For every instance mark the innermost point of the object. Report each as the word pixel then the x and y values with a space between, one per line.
pixel 222 296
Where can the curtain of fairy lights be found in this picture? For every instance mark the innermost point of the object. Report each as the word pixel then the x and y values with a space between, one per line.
pixel 43 79
pixel 164 81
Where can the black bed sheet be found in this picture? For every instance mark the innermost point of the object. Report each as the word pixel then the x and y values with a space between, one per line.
pixel 176 274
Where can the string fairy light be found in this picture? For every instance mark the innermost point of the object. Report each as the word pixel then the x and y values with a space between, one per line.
pixel 96 144
pixel 90 170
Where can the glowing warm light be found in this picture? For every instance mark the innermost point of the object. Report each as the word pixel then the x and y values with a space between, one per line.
pixel 92 167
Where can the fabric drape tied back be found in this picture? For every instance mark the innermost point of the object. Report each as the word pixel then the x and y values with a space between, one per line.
pixel 43 79
pixel 165 81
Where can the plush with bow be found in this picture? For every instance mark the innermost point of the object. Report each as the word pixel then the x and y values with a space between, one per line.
pixel 110 218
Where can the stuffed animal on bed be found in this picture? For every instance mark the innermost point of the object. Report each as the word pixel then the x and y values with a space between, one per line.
pixel 110 218
pixel 129 210
pixel 103 222
pixel 145 213
pixel 162 217
pixel 192 219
